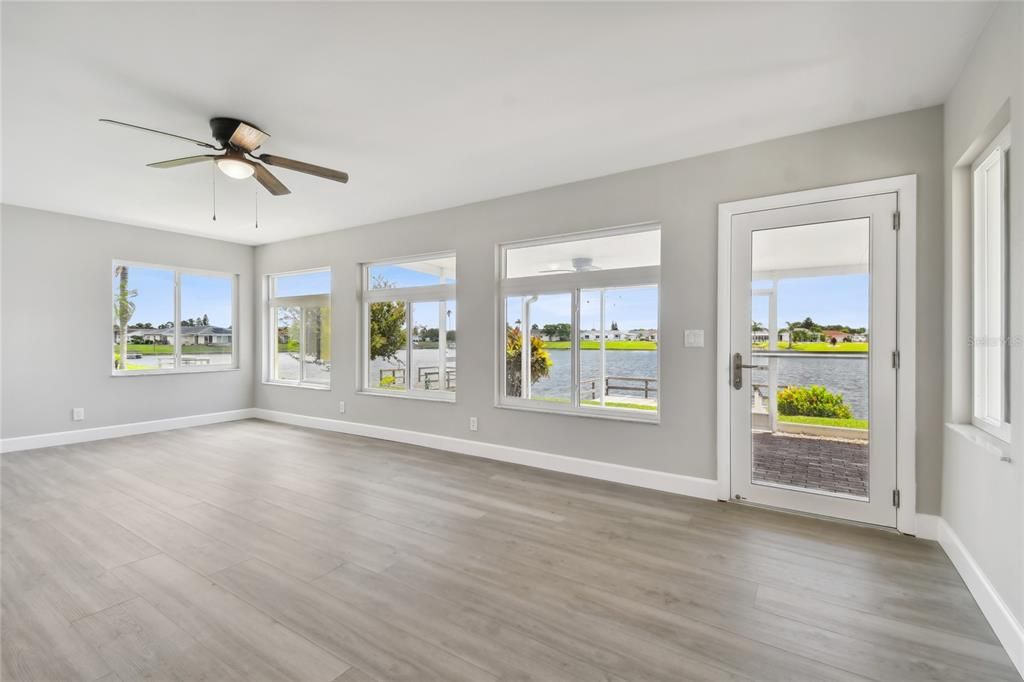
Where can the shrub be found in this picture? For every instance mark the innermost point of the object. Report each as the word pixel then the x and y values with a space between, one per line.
pixel 812 401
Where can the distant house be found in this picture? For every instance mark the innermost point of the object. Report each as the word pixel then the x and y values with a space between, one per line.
pixel 762 336
pixel 645 334
pixel 835 336
pixel 859 338
pixel 609 335
pixel 206 335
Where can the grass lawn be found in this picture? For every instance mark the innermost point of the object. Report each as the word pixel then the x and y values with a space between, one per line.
pixel 819 347
pixel 609 345
pixel 825 421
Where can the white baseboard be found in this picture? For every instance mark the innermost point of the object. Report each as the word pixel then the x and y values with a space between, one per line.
pixel 704 488
pixel 1006 626
pixel 926 526
pixel 46 440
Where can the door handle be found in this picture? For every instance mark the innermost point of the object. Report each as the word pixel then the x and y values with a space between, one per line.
pixel 737 370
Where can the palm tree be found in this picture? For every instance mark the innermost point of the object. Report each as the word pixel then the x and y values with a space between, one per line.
pixel 124 308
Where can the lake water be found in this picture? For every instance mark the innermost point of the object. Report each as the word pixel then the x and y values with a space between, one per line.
pixel 846 376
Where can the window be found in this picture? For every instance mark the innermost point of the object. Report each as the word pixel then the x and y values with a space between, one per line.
pixel 579 324
pixel 299 314
pixel 991 296
pixel 409 327
pixel 167 320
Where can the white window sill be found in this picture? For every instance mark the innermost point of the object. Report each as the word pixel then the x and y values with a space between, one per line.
pixel 292 384
pixel 606 413
pixel 161 372
pixel 442 398
pixel 981 438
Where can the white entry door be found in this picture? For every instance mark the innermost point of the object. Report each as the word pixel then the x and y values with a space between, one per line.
pixel 813 362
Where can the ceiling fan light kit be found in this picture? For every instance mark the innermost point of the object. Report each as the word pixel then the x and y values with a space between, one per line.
pixel 238 140
pixel 235 166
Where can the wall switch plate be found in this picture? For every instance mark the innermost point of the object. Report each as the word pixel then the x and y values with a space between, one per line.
pixel 694 338
pixel 473 425
pixel 341 407
pixel 78 414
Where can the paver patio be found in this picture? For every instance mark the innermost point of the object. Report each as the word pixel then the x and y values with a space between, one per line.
pixel 835 466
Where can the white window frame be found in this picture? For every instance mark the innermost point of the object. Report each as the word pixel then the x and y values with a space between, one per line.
pixel 439 293
pixel 178 369
pixel 303 302
pixel 990 292
pixel 572 283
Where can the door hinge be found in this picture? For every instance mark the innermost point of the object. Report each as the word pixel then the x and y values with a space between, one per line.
pixel 896 498
pixel 895 220
pixel 895 359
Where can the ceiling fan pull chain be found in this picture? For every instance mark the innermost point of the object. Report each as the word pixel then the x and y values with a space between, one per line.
pixel 213 183
pixel 256 195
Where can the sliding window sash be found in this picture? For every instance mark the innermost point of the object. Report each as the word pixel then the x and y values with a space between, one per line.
pixel 438 293
pixel 303 303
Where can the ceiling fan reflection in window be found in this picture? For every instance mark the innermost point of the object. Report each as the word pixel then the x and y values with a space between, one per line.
pixel 578 265
pixel 238 140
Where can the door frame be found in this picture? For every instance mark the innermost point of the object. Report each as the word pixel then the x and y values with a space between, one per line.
pixel 905 187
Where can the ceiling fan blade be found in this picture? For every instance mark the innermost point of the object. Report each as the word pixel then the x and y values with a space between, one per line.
pixel 302 167
pixel 247 137
pixel 174 163
pixel 268 180
pixel 159 132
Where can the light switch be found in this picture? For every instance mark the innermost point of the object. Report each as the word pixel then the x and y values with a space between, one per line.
pixel 694 338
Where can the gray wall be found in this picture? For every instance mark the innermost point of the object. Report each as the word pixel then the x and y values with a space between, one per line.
pixel 683 196
pixel 56 340
pixel 982 497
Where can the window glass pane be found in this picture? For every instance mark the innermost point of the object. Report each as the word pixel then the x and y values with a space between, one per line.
pixel 631 348
pixel 623 372
pixel 547 374
pixel 990 287
pixel 143 324
pixel 301 284
pixel 388 345
pixel 206 324
pixel 427 352
pixel 316 366
pixel 449 355
pixel 286 359
pixel 629 250
pixel 427 272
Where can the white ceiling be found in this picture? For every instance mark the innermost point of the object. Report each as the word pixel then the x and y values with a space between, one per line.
pixel 430 106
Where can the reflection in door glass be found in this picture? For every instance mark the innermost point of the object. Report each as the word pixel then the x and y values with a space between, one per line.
pixel 810 340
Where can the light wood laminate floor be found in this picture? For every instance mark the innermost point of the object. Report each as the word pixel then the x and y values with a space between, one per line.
pixel 256 551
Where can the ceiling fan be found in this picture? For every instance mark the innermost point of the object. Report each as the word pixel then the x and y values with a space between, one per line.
pixel 238 140
pixel 582 264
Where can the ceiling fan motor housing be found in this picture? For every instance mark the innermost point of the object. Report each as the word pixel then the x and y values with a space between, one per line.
pixel 223 128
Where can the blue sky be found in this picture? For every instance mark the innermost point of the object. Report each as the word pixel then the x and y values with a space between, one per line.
pixel 828 300
pixel 841 299
pixel 200 296
pixel 635 308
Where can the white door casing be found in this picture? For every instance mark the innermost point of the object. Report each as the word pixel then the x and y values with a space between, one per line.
pixel 892 295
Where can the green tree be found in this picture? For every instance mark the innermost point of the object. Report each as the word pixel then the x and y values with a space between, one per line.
pixel 559 331
pixel 540 361
pixel 206 320
pixel 387 325
pixel 124 308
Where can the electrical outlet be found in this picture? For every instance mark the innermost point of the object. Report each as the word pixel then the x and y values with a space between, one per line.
pixel 341 407
pixel 473 424
pixel 78 414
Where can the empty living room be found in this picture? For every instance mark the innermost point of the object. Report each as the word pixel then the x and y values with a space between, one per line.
pixel 505 341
